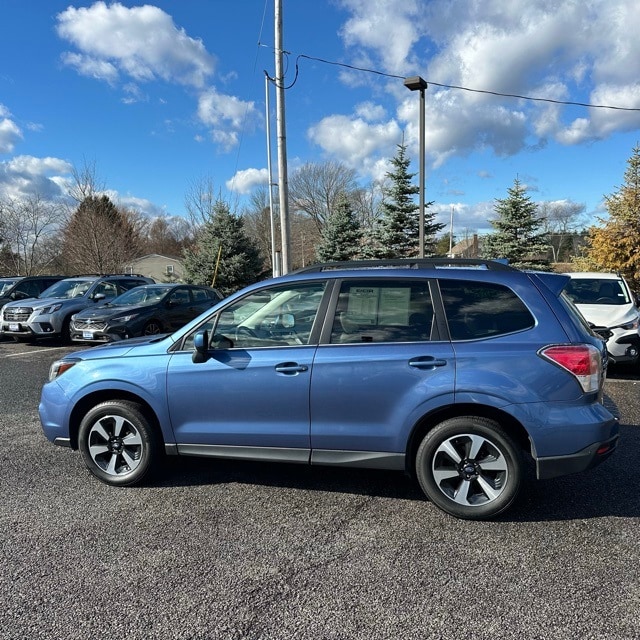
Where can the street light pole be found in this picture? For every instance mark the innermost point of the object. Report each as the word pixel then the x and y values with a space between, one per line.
pixel 416 83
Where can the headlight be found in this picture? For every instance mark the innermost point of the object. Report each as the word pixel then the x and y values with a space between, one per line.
pixel 126 318
pixel 60 366
pixel 630 325
pixel 51 309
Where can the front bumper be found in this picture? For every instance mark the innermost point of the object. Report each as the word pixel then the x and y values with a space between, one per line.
pixel 624 348
pixel 589 457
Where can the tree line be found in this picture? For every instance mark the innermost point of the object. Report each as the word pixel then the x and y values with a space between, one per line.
pixel 333 218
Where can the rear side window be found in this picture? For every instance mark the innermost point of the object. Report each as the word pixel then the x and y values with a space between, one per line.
pixel 482 309
pixel 382 311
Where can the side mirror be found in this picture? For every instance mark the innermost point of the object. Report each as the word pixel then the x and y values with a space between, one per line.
pixel 98 297
pixel 19 295
pixel 200 347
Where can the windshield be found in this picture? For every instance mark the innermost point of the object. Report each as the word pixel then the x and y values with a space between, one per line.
pixel 597 291
pixel 67 289
pixel 140 296
pixel 5 285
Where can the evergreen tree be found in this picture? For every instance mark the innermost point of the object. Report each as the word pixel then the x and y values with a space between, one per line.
pixel 223 255
pixel 397 233
pixel 518 237
pixel 341 234
pixel 616 245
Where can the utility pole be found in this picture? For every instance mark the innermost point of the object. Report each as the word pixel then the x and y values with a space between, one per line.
pixel 283 181
pixel 275 254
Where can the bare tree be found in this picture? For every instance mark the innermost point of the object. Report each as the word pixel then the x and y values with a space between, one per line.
pixel 562 221
pixel 101 238
pixel 28 226
pixel 315 189
pixel 257 219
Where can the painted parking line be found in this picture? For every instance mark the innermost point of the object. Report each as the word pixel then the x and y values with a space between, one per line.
pixel 26 353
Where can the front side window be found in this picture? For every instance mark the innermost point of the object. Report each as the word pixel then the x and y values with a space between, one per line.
pixel 383 311
pixel 482 309
pixel 275 317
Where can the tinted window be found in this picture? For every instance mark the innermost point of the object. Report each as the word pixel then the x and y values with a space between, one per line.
pixel 382 311
pixel 482 309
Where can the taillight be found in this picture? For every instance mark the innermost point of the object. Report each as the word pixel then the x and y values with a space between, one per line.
pixel 583 361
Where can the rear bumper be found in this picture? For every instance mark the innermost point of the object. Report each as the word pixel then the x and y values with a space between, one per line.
pixel 589 457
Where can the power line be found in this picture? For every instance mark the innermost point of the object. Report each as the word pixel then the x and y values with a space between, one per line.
pixel 452 86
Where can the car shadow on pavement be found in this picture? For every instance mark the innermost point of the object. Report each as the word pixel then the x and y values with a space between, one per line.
pixel 606 491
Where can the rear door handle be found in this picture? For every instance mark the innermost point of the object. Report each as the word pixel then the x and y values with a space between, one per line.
pixel 291 368
pixel 427 362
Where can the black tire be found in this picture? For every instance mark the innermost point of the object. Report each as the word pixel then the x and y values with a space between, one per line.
pixel 152 328
pixel 65 331
pixel 470 467
pixel 118 444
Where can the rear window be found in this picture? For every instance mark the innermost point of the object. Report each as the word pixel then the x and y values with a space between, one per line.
pixel 483 309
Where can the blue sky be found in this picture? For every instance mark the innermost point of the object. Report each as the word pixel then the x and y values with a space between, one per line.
pixel 160 96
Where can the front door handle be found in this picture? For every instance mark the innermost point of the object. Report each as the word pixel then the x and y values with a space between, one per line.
pixel 427 362
pixel 291 368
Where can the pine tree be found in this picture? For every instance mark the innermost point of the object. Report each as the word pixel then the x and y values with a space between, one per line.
pixel 223 255
pixel 518 237
pixel 616 245
pixel 397 233
pixel 341 234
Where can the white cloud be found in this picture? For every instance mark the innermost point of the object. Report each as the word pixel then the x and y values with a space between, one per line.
pixel 387 27
pixel 584 52
pixel 25 175
pixel 226 116
pixel 248 179
pixel 357 143
pixel 10 134
pixel 141 42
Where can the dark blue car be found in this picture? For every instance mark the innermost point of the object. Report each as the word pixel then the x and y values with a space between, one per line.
pixel 146 310
pixel 456 372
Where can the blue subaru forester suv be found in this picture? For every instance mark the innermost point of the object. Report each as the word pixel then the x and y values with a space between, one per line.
pixel 457 372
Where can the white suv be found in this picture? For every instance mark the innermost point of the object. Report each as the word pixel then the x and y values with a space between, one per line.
pixel 607 303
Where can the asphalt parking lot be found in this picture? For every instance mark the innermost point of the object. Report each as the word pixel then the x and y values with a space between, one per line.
pixel 257 551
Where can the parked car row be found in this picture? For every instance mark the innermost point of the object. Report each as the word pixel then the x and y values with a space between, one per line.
pixel 76 308
pixel 462 373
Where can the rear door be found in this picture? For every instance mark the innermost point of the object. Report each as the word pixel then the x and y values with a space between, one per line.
pixel 380 367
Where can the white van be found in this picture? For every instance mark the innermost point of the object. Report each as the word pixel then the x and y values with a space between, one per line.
pixel 607 302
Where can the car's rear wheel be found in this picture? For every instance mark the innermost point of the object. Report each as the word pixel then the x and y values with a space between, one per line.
pixel 470 467
pixel 152 328
pixel 118 443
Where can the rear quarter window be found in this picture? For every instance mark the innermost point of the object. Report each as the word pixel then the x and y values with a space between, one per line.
pixel 483 309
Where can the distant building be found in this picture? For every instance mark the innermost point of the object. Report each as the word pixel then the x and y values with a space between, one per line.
pixel 160 268
pixel 467 248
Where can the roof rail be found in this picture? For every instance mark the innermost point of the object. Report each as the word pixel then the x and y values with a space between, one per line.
pixel 409 263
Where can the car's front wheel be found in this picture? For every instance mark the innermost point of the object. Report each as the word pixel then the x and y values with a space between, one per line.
pixel 117 442
pixel 470 467
pixel 152 328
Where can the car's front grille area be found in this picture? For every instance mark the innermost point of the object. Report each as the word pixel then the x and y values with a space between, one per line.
pixel 88 325
pixel 17 314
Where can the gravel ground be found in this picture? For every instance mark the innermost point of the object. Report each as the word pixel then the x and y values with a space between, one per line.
pixel 258 551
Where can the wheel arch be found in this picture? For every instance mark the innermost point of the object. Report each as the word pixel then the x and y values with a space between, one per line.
pixel 95 398
pixel 429 421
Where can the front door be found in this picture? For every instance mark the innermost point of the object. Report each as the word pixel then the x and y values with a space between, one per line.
pixel 253 390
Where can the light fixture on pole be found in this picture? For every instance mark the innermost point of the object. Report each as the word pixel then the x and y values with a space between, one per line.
pixel 416 83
